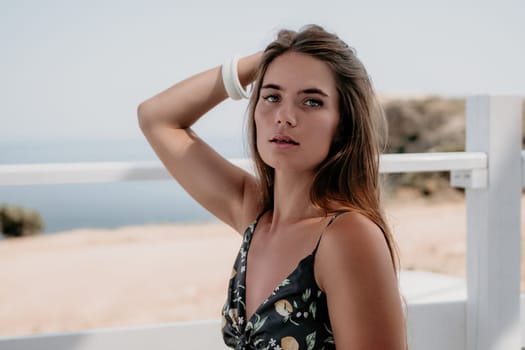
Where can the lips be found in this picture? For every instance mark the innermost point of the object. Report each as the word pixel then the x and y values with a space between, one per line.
pixel 283 139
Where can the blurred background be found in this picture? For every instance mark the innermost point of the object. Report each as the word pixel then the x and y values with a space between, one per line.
pixel 72 74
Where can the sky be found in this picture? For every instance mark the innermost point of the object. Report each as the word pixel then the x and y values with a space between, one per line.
pixel 78 69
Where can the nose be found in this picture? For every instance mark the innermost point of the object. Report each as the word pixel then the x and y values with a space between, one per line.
pixel 286 115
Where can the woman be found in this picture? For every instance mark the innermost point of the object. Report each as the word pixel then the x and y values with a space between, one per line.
pixel 322 264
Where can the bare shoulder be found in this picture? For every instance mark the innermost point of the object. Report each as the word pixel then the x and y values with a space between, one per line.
pixel 354 268
pixel 354 238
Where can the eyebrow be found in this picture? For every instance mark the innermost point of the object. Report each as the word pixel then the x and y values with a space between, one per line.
pixel 305 91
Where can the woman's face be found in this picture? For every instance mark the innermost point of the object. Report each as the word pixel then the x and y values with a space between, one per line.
pixel 297 113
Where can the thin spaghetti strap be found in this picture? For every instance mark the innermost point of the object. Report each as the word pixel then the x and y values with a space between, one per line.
pixel 256 221
pixel 260 215
pixel 332 219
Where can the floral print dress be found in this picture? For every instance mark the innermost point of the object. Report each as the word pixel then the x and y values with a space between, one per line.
pixel 293 317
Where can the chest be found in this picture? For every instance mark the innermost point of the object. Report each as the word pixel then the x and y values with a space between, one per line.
pixel 272 259
pixel 291 313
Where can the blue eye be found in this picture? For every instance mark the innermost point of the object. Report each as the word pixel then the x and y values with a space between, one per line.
pixel 311 102
pixel 271 98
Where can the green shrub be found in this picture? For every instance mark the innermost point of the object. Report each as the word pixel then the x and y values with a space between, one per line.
pixel 17 221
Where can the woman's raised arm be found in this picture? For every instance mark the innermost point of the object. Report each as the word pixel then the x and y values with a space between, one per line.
pixel 225 190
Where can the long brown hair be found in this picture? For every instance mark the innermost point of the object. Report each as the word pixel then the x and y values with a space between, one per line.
pixel 348 179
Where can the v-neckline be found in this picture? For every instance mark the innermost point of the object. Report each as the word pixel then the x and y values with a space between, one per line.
pixel 275 289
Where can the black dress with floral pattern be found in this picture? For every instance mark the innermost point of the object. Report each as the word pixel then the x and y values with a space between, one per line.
pixel 293 317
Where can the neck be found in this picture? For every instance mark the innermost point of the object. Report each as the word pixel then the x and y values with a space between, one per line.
pixel 292 199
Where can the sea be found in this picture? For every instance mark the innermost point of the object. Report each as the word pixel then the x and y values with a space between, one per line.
pixel 103 205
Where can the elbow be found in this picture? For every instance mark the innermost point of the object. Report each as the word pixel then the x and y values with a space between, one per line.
pixel 144 115
pixel 152 114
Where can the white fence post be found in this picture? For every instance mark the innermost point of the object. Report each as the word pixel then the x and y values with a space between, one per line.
pixel 493 225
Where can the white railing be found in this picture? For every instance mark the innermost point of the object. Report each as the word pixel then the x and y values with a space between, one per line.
pixel 492 171
pixel 69 173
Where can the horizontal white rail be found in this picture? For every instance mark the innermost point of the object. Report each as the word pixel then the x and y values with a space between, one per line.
pixel 95 172
pixel 89 172
pixel 187 335
pixel 431 326
pixel 436 161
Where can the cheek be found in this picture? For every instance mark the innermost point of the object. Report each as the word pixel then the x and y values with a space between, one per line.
pixel 325 135
pixel 334 133
pixel 259 137
pixel 327 130
pixel 261 125
pixel 333 129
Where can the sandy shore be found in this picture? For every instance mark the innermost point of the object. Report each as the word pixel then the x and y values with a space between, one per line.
pixel 92 278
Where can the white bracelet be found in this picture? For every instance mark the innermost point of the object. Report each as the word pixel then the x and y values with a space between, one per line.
pixel 230 78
